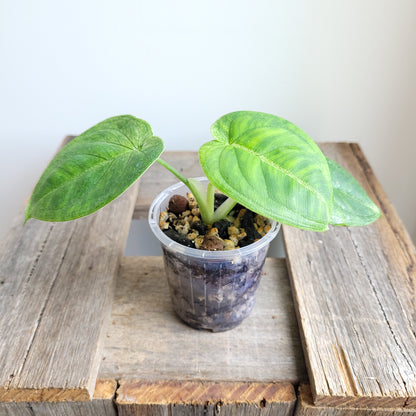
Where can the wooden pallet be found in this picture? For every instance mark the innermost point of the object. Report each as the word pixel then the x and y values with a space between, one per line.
pixel 64 351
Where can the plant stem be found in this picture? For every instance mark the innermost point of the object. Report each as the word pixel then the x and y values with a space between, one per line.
pixel 211 197
pixel 204 198
pixel 224 209
pixel 171 169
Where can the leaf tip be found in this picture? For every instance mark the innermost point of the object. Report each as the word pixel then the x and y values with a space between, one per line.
pixel 28 215
pixel 29 212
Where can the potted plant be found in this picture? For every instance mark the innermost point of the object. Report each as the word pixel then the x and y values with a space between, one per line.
pixel 261 162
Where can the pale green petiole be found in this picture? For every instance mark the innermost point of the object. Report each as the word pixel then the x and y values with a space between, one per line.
pixel 224 209
pixel 210 197
pixel 201 196
pixel 173 170
pixel 204 197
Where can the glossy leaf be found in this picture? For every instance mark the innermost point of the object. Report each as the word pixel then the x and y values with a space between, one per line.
pixel 94 168
pixel 270 166
pixel 352 206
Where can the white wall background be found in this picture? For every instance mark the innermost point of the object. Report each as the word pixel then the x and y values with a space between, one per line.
pixel 342 70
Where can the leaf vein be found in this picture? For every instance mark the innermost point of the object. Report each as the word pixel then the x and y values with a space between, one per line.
pixel 281 169
pixel 76 177
pixel 349 195
pixel 107 143
pixel 118 132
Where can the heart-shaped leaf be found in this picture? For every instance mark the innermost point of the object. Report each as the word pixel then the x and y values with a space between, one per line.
pixel 94 168
pixel 270 166
pixel 352 206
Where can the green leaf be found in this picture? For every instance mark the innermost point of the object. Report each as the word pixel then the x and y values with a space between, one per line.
pixel 270 166
pixel 352 206
pixel 94 168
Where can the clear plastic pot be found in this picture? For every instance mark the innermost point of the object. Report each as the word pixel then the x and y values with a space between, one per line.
pixel 213 290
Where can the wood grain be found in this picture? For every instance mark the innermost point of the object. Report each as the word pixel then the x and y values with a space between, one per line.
pixel 157 178
pixel 305 407
pixel 204 398
pixel 354 292
pixel 102 404
pixel 56 289
pixel 353 289
pixel 146 340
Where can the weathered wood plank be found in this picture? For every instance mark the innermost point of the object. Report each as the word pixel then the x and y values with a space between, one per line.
pixel 20 273
pixel 305 407
pixel 55 296
pixel 158 178
pixel 182 398
pixel 354 291
pixel 146 340
pixel 102 404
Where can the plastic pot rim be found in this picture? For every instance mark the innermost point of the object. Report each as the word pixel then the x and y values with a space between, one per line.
pixel 153 219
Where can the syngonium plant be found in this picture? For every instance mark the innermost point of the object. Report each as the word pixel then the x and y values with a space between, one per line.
pixel 261 161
